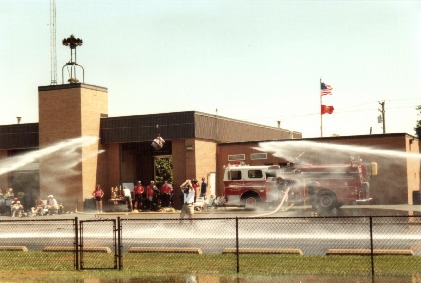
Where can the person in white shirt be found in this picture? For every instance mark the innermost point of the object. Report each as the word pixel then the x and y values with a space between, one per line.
pixel 188 202
pixel 16 208
pixel 52 205
pixel 128 197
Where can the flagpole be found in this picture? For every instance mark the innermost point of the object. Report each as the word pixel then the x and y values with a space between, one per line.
pixel 321 115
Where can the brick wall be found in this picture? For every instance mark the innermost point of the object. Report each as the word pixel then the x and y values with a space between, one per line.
pixel 205 152
pixel 179 168
pixel 414 168
pixel 68 112
pixel 112 167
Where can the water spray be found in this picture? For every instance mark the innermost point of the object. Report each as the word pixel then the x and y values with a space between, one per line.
pixel 70 146
pixel 282 149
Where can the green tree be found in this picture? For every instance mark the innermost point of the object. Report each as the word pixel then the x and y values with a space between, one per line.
pixel 418 125
pixel 163 169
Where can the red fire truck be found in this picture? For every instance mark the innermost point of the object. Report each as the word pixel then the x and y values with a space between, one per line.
pixel 323 186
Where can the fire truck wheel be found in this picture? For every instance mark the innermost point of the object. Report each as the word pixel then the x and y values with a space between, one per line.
pixel 251 203
pixel 326 200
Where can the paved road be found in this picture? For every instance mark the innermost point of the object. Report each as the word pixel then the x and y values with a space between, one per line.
pixel 215 229
pixel 311 235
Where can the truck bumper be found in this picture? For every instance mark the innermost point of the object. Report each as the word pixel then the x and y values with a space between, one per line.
pixel 363 201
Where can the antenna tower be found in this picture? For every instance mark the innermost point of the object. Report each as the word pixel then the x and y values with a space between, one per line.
pixel 53 42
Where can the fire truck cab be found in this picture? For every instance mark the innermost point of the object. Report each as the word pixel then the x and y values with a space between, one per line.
pixel 247 185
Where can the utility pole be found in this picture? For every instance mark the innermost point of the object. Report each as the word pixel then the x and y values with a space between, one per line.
pixel 382 117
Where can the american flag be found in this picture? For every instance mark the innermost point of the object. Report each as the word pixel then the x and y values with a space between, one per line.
pixel 325 89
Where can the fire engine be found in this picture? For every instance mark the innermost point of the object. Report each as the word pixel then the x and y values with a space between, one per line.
pixel 324 187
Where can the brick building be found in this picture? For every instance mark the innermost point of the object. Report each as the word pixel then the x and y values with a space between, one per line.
pixel 122 151
pixel 199 144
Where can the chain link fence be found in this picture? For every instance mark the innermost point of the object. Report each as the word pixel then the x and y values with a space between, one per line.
pixel 98 246
pixel 363 246
pixel 398 236
pixel 179 245
pixel 38 244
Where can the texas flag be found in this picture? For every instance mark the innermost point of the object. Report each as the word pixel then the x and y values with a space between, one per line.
pixel 326 109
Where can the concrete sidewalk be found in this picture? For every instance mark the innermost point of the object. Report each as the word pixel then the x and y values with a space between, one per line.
pixel 229 212
pixel 402 207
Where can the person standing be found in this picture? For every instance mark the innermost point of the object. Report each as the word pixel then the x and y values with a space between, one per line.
pixel 166 191
pixel 188 202
pixel 203 188
pixel 156 199
pixel 128 197
pixel 98 195
pixel 195 185
pixel 139 189
pixel 150 192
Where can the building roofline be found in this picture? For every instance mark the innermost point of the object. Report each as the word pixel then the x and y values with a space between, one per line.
pixel 330 138
pixel 20 124
pixel 201 114
pixel 68 86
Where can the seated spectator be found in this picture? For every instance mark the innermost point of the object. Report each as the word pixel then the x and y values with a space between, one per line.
pixel 9 194
pixel 211 201
pixel 8 198
pixel 52 205
pixel 39 208
pixel 16 208
pixel 219 201
pixel 3 208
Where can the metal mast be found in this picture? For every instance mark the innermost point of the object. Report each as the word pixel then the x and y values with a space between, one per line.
pixel 53 42
pixel 382 117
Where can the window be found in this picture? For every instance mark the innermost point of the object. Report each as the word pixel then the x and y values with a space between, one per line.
pixel 257 156
pixel 255 174
pixel 234 175
pixel 236 157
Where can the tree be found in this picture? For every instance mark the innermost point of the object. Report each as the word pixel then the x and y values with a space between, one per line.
pixel 418 125
pixel 163 169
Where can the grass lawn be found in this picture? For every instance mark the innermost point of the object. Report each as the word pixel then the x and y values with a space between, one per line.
pixel 59 266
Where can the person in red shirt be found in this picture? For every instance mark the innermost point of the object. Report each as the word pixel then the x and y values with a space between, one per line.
pixel 195 185
pixel 139 189
pixel 166 191
pixel 150 191
pixel 98 194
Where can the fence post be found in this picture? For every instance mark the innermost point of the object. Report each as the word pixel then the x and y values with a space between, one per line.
pixel 120 262
pixel 76 243
pixel 371 247
pixel 237 245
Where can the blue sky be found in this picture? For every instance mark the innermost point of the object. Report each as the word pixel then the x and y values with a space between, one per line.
pixel 259 61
